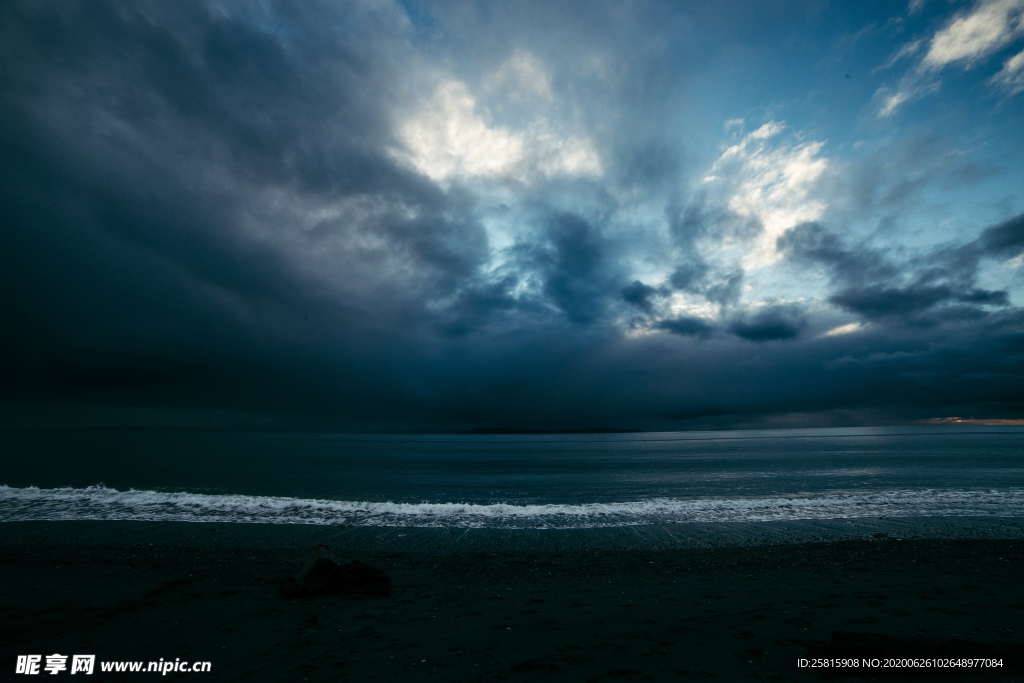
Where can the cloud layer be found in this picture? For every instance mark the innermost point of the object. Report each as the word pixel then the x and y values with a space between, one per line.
pixel 373 216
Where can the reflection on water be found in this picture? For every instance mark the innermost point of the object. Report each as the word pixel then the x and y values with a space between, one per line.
pixel 523 469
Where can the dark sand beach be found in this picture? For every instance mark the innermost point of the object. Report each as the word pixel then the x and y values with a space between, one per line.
pixel 210 592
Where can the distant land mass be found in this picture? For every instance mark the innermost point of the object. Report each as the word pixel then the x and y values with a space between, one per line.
pixel 990 422
pixel 565 430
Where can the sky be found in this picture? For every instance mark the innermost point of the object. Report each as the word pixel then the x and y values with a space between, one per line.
pixel 402 215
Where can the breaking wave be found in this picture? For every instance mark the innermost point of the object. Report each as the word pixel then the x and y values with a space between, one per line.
pixel 103 503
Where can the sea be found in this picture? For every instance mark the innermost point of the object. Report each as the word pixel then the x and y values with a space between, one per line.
pixel 694 484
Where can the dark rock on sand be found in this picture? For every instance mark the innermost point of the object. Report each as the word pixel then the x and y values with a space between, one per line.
pixel 324 576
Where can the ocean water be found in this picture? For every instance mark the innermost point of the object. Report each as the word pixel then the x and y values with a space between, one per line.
pixel 568 481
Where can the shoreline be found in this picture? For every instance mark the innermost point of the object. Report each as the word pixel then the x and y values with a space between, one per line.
pixel 742 612
pixel 441 540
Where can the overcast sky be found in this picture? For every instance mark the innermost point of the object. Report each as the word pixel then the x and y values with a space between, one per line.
pixel 400 215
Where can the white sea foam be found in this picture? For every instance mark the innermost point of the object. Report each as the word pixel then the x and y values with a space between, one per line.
pixel 103 503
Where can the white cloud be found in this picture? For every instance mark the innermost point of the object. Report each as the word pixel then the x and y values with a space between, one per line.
pixel 965 40
pixel 766 131
pixel 450 136
pixel 892 101
pixel 910 88
pixel 565 156
pixel 1011 77
pixel 848 328
pixel 907 50
pixel 990 25
pixel 771 182
pixel 522 74
pixel 690 305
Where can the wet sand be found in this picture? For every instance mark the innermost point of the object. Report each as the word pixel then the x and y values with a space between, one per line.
pixel 124 590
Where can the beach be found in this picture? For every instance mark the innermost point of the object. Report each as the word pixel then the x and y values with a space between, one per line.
pixel 210 592
pixel 477 342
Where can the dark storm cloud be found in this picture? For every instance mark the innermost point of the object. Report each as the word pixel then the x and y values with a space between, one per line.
pixel 878 302
pixel 138 143
pixel 771 323
pixel 1005 240
pixel 640 295
pixel 696 221
pixel 697 277
pixel 871 284
pixel 986 297
pixel 205 216
pixel 812 243
pixel 476 306
pixel 686 326
pixel 689 276
pixel 576 265
pixel 726 289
